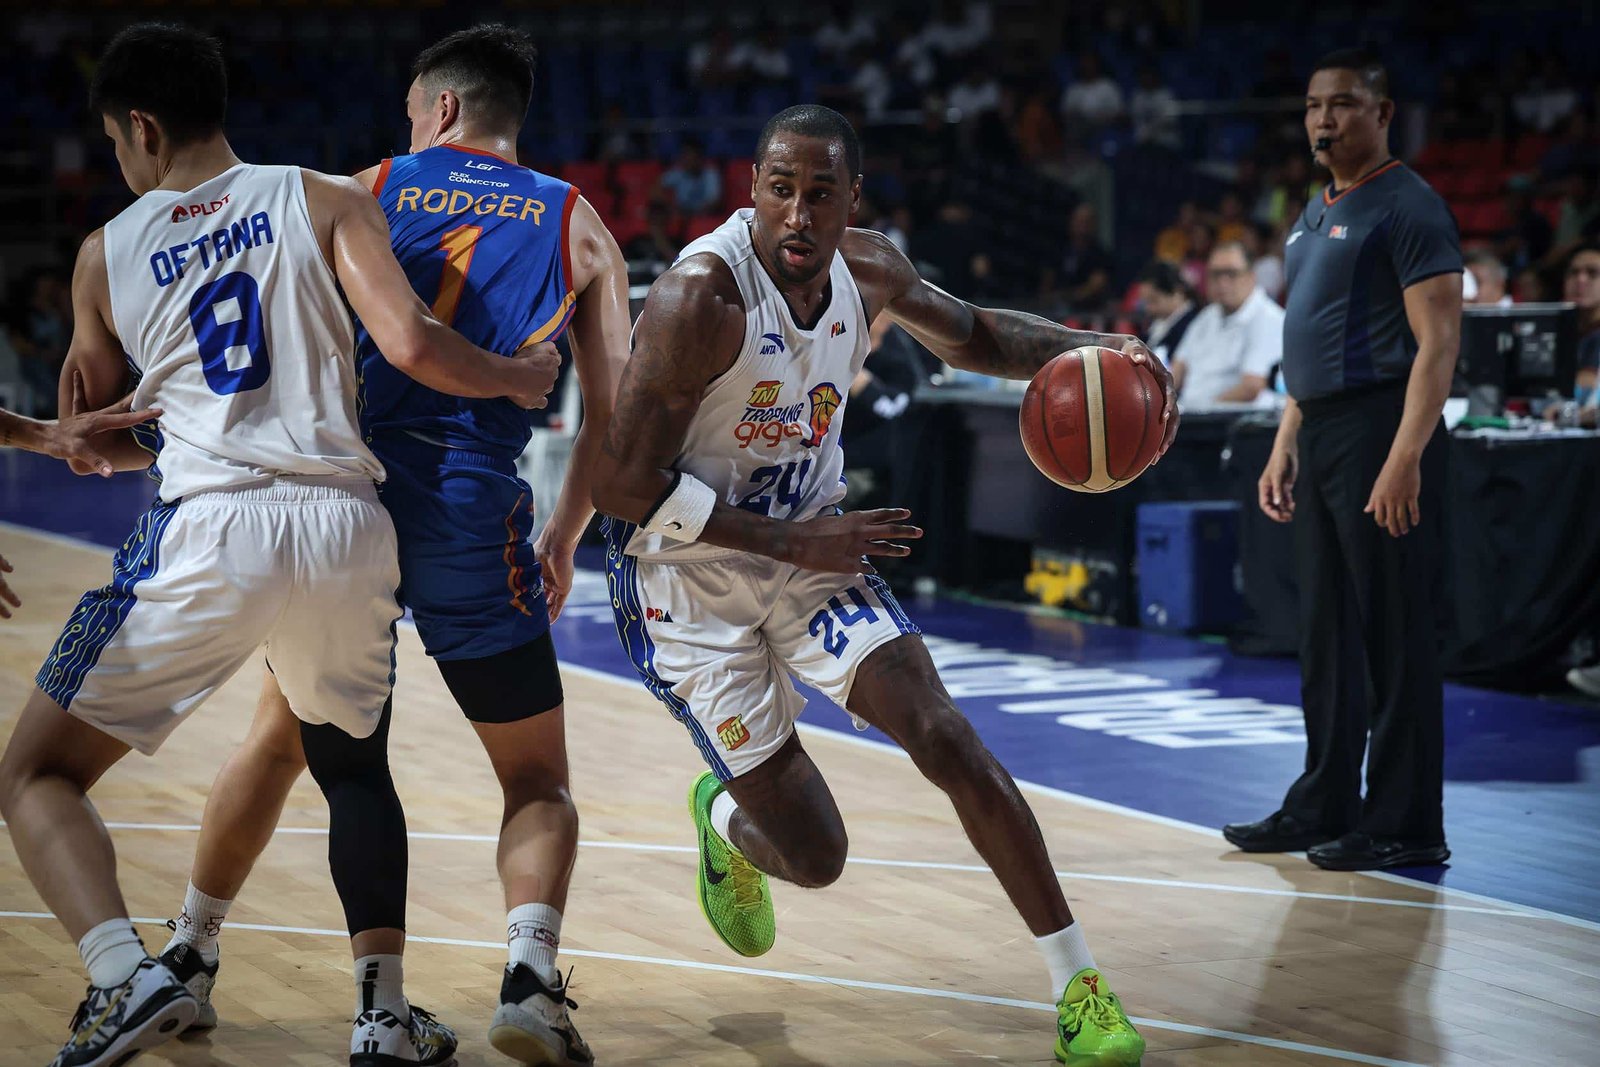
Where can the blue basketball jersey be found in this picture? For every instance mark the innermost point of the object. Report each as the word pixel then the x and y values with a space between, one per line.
pixel 483 242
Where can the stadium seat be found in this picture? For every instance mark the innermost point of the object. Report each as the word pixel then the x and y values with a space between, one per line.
pixel 636 178
pixel 735 184
pixel 700 225
pixel 590 177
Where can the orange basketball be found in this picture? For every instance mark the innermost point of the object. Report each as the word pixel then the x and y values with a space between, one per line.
pixel 1091 419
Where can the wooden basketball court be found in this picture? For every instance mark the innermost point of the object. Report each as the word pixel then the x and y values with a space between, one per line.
pixel 914 957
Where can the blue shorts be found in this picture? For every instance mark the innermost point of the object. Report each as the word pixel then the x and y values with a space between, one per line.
pixel 467 569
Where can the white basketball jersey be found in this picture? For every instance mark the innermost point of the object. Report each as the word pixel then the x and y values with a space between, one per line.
pixel 766 437
pixel 235 325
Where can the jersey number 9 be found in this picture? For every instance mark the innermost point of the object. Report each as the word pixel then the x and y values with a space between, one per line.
pixel 226 315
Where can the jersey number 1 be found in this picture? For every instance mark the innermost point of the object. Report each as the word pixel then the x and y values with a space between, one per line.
pixel 458 246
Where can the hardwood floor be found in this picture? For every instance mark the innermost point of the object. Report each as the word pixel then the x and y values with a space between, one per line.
pixel 914 957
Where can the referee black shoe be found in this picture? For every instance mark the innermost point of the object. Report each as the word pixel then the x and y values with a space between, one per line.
pixel 1363 852
pixel 1278 832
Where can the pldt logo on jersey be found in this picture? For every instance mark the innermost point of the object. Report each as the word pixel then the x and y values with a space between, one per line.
pixel 185 212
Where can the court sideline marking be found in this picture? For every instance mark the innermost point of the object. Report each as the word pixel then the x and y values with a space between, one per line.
pixel 1032 787
pixel 921 865
pixel 814 979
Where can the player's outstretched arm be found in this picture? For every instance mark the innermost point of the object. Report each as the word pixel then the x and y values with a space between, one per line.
pixel 599 336
pixel 993 341
pixel 689 332
pixel 355 238
pixel 95 375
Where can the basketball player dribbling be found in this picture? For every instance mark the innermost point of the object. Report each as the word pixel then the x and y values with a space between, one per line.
pixel 731 566
pixel 507 256
pixel 223 288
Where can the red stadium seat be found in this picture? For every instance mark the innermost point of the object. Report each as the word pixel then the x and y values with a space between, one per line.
pixel 590 178
pixel 1531 148
pixel 735 185
pixel 700 225
pixel 637 177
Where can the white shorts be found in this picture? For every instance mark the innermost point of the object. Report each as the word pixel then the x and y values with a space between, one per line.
pixel 717 640
pixel 306 566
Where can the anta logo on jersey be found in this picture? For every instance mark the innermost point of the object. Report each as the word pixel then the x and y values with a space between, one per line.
pixel 732 733
pixel 185 212
pixel 773 345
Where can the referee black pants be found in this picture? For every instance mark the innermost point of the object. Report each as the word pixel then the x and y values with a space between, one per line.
pixel 1369 647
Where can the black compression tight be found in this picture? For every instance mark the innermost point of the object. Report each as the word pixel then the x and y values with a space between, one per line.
pixel 367 826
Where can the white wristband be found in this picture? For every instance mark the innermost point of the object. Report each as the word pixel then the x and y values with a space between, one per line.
pixel 684 511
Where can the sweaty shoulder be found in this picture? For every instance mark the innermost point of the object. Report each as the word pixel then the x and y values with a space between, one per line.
pixel 881 271
pixel 695 301
pixel 331 198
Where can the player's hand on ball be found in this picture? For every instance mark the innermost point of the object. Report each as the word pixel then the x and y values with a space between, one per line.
pixel 838 543
pixel 534 369
pixel 1140 353
pixel 8 599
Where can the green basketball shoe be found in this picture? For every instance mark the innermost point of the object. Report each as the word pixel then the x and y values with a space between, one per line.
pixel 1092 1030
pixel 733 894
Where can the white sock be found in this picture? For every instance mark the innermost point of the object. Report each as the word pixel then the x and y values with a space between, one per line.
pixel 1065 953
pixel 199 923
pixel 534 933
pixel 380 983
pixel 112 952
pixel 722 809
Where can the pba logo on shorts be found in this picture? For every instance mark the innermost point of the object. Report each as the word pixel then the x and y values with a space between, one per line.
pixel 764 395
pixel 825 401
pixel 657 615
pixel 732 734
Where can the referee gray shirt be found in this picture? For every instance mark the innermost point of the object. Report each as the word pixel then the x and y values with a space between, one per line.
pixel 1349 260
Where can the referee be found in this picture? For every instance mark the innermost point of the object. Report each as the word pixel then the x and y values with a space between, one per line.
pixel 1370 334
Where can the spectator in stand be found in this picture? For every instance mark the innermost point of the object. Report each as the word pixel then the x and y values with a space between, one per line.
pixel 1266 252
pixel 1458 111
pixel 1489 279
pixel 1294 190
pixel 1582 287
pixel 1548 97
pixel 926 155
pixel 764 58
pixel 1093 100
pixel 657 244
pixel 1172 243
pixel 1038 131
pixel 1278 78
pixel 40 327
pixel 711 63
pixel 1579 222
pixel 949 244
pixel 1529 287
pixel 692 182
pixel 1169 304
pixel 977 93
pixel 913 58
pixel 869 81
pixel 1084 277
pixel 614 139
pixel 846 30
pixel 1193 267
pixel 1528 240
pixel 1154 111
pixel 1575 148
pixel 958 30
pixel 1231 223
pixel 1228 354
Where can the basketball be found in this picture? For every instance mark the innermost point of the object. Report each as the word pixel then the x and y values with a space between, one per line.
pixel 1091 419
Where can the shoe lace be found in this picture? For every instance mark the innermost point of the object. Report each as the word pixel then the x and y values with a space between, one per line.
pixel 566 984
pixel 82 1013
pixel 747 891
pixel 1096 1009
